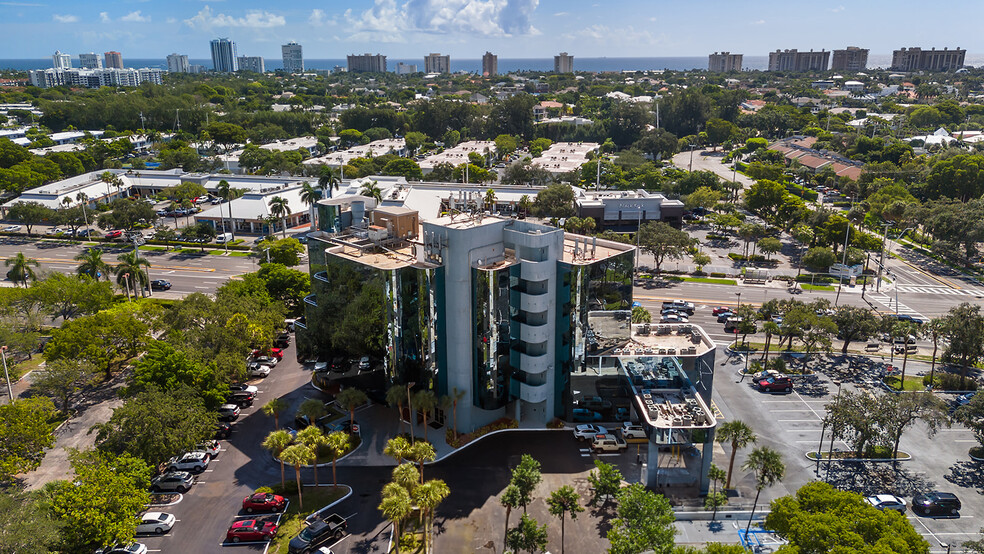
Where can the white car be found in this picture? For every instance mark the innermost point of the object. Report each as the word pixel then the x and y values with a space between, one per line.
pixel 155 522
pixel 632 431
pixel 589 431
pixel 265 360
pixel 210 447
pixel 189 461
pixel 259 370
pixel 887 502
pixel 364 362
pixel 132 548
pixel 674 318
pixel 11 228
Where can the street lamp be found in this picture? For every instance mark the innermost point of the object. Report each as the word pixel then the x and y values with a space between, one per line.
pixel 833 434
pixel 3 354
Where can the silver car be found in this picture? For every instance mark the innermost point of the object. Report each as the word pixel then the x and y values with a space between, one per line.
pixel 180 481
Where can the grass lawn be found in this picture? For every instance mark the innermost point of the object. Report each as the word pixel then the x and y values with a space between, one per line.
pixel 807 286
pixel 293 521
pixel 912 383
pixel 711 280
pixel 235 253
pixel 19 370
pixel 876 452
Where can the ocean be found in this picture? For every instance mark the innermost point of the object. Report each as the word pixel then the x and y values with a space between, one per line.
pixel 506 65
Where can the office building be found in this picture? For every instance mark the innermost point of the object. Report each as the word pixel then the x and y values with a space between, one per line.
pixel 90 61
pixel 293 57
pixel 436 63
pixel 367 63
pixel 563 63
pixel 405 68
pixel 95 78
pixel 624 211
pixel 851 58
pixel 724 62
pixel 178 63
pixel 61 61
pixel 917 59
pixel 113 60
pixel 250 63
pixel 224 56
pixel 794 60
pixel 490 64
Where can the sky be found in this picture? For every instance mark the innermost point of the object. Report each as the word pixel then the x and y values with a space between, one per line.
pixel 467 28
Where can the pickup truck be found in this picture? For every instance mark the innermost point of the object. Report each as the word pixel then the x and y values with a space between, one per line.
pixel 331 527
pixel 608 443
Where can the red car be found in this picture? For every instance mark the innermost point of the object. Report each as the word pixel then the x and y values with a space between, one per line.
pixel 251 530
pixel 273 353
pixel 776 383
pixel 721 309
pixel 264 502
pixel 114 234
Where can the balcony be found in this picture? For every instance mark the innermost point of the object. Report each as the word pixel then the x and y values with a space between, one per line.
pixel 537 271
pixel 534 333
pixel 534 365
pixel 533 393
pixel 534 303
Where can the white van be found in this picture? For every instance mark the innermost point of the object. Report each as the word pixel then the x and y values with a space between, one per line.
pixel 223 238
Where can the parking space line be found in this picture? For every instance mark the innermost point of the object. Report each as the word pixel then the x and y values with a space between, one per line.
pixel 797 421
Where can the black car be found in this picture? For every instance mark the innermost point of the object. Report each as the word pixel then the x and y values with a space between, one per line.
pixel 936 503
pixel 223 430
pixel 332 527
pixel 242 398
pixel 160 284
pixel 282 341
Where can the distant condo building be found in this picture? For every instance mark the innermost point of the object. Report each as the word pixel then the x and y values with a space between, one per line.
pixel 794 60
pixel 293 57
pixel 724 62
pixel 94 78
pixel 405 68
pixel 90 61
pixel 917 59
pixel 178 63
pixel 113 60
pixel 224 56
pixel 367 63
pixel 563 63
pixel 61 61
pixel 251 63
pixel 851 58
pixel 490 64
pixel 436 63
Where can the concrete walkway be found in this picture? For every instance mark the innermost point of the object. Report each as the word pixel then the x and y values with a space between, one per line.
pixel 378 424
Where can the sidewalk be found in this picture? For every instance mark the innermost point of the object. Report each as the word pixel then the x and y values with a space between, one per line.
pixel 379 424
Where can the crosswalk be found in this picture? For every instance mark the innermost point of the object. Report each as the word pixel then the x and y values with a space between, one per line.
pixel 941 290
pixel 896 307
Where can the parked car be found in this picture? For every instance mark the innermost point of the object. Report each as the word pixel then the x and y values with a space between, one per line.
pixel 724 316
pixel 11 228
pixel 132 548
pixel 936 503
pixel 963 399
pixel 251 530
pixel 275 353
pixel 264 502
pixel 114 234
pixel 608 443
pixel 720 310
pixel 155 522
pixel 632 431
pixel 364 363
pixel 210 447
pixel 223 430
pixel 765 374
pixel 241 398
pixel 774 383
pixel 243 387
pixel 674 318
pixel 887 502
pixel 331 527
pixel 189 461
pixel 680 305
pixel 180 481
pixel 589 432
pixel 229 412
pixel 282 340
pixel 259 370
pixel 582 414
pixel 160 284
pixel 264 360
pixel 83 233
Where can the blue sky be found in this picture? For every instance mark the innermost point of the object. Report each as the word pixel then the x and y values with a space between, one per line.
pixel 467 28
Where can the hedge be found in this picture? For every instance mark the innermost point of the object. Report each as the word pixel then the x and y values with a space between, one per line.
pixel 718 274
pixel 716 236
pixel 950 381
pixel 740 258
pixel 815 278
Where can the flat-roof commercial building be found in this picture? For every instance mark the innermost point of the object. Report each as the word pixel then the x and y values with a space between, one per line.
pixel 374 148
pixel 917 59
pixel 794 60
pixel 563 157
pixel 458 154
pixel 624 211
pixel 724 62
pixel 367 63
pixel 851 58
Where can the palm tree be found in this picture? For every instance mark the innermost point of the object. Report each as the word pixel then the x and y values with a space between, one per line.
pixel 511 498
pixel 525 204
pixel 456 396
pixel 933 330
pixel 428 497
pixel 394 397
pixel 407 476
pixel 276 442
pixel 421 452
pixel 398 448
pixel 337 443
pixel 227 193
pixel 66 202
pixel 312 437
pixel 298 455
pixel 274 408
pixel 309 196
pixel 425 401
pixel 20 268
pixel 395 506
pixel 715 474
pixel 561 501
pixel 92 264
pixel 771 328
pixel 280 208
pixel 904 329
pixel 328 179
pixel 739 434
pixel 372 190
pixel 313 409
pixel 768 467
pixel 351 399
pixel 83 199
pixel 133 265
pixel 490 199
pixel 110 178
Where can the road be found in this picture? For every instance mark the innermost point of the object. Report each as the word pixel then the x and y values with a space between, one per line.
pixel 709 160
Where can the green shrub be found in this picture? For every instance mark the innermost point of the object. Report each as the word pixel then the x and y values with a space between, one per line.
pixel 718 274
pixel 264 490
pixel 950 381
pixel 816 279
pixel 878 451
pixel 717 236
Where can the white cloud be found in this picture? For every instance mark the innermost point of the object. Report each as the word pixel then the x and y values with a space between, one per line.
pixel 388 20
pixel 838 9
pixel 104 17
pixel 135 17
pixel 561 14
pixel 65 18
pixel 606 35
pixel 317 17
pixel 171 20
pixel 255 19
pixel 759 22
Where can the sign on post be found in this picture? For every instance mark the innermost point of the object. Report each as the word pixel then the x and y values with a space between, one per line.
pixel 841 270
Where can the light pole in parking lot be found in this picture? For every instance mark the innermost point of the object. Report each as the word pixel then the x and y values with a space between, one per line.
pixel 833 434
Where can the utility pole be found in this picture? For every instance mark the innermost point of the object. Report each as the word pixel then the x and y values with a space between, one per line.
pixel 10 391
pixel 881 259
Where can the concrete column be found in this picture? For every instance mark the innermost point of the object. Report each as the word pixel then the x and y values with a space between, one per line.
pixel 652 469
pixel 706 456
